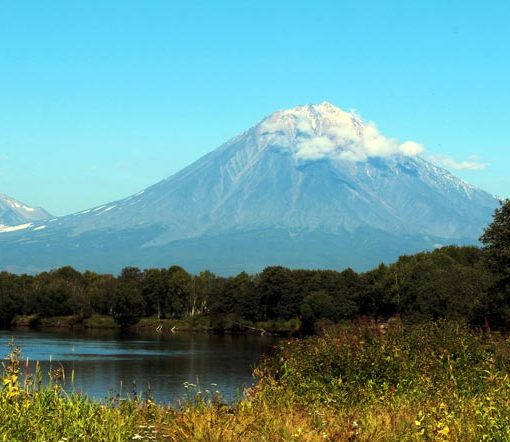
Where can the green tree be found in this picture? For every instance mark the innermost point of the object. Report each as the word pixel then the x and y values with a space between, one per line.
pixel 496 241
pixel 178 291
pixel 203 287
pixel 441 284
pixel 52 292
pixel 276 293
pixel 10 301
pixel 371 297
pixel 128 304
pixel 132 275
pixel 155 291
pixel 343 287
pixel 244 298
pixel 316 306
pixel 98 290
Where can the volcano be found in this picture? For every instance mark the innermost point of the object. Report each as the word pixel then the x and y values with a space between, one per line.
pixel 308 187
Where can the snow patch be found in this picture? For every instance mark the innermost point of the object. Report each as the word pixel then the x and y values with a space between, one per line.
pixel 5 229
pixel 441 178
pixel 106 210
pixel 325 131
pixel 17 205
pixel 39 228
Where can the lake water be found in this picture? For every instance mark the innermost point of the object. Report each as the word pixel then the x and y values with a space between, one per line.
pixel 106 362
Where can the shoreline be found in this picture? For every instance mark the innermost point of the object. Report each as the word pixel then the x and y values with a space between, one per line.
pixel 430 381
pixel 160 326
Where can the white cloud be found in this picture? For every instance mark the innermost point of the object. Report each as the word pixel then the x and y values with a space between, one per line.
pixel 316 147
pixel 411 148
pixel 325 131
pixel 471 163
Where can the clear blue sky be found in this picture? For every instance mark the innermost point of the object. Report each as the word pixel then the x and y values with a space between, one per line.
pixel 102 98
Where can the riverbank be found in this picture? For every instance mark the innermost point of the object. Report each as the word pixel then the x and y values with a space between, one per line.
pixel 198 324
pixel 434 381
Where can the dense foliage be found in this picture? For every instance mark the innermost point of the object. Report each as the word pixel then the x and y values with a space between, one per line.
pixel 450 282
pixel 437 381
pixel 496 240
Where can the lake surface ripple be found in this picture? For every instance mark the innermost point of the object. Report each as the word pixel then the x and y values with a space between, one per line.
pixel 106 363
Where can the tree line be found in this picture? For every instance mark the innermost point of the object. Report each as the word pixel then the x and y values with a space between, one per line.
pixel 468 283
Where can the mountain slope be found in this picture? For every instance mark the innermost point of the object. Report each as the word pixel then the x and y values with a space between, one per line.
pixel 311 186
pixel 14 214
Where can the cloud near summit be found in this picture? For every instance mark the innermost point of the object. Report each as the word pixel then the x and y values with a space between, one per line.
pixel 471 163
pixel 324 131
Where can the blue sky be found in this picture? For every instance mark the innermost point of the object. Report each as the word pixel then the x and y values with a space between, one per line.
pixel 100 99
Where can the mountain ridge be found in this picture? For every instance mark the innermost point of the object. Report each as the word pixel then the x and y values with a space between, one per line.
pixel 14 213
pixel 312 171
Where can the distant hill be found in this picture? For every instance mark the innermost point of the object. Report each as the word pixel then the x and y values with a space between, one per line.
pixel 310 187
pixel 15 214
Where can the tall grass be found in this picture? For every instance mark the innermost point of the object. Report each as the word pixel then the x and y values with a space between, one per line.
pixel 432 381
pixel 365 382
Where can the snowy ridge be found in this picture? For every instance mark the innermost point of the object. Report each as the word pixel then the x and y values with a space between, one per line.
pixel 15 213
pixel 16 204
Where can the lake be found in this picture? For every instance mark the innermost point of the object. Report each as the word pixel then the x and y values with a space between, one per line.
pixel 108 362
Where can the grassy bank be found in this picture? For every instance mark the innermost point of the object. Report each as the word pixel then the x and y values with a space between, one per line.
pixel 365 382
pixel 199 324
pixel 68 322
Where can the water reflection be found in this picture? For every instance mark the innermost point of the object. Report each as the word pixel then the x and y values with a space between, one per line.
pixel 108 362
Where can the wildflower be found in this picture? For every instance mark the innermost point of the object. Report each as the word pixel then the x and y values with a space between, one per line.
pixel 445 431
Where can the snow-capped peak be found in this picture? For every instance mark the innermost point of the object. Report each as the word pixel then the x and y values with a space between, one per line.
pixel 323 130
pixel 16 204
pixel 14 212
